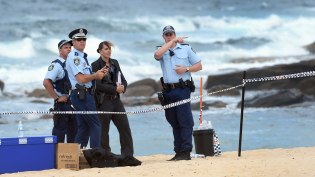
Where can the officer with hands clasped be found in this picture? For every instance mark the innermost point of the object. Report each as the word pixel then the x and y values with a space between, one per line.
pixel 82 80
pixel 57 85
pixel 177 61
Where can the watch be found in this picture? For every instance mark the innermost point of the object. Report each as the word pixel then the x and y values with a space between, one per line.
pixel 56 100
pixel 187 69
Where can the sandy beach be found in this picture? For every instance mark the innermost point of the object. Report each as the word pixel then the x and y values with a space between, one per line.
pixel 264 162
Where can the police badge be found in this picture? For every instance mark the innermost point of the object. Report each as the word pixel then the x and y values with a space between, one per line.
pixel 76 61
pixel 51 67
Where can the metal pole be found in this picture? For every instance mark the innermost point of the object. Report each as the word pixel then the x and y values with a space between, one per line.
pixel 200 115
pixel 241 120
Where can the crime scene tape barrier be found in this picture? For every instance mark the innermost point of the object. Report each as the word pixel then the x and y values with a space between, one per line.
pixel 159 108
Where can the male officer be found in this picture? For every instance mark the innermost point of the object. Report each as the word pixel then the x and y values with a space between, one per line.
pixel 57 84
pixel 82 79
pixel 177 61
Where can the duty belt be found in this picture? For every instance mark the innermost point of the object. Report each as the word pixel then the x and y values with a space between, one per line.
pixel 170 86
pixel 87 90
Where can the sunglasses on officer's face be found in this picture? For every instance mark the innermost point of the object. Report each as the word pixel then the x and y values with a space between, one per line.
pixel 81 39
pixel 168 34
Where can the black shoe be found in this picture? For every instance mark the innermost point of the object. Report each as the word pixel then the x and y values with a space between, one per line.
pixel 184 156
pixel 174 158
pixel 129 161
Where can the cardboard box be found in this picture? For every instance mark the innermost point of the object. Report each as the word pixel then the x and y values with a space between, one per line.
pixel 27 154
pixel 67 156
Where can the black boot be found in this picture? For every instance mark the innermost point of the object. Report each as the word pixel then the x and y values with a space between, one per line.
pixel 185 155
pixel 174 158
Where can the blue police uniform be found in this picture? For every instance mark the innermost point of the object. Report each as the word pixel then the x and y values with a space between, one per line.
pixel 180 117
pixel 63 123
pixel 88 124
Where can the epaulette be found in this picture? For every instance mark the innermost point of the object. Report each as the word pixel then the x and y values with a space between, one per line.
pixel 158 46
pixel 76 54
pixel 184 44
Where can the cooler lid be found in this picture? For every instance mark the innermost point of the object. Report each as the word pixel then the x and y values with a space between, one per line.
pixel 28 140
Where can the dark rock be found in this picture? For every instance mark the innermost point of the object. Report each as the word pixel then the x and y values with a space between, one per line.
pixel 280 98
pixel 207 105
pixel 1 85
pixel 38 93
pixel 46 116
pixel 39 101
pixel 145 87
pixel 235 78
pixel 139 101
pixel 141 90
pixel 310 47
pixel 234 92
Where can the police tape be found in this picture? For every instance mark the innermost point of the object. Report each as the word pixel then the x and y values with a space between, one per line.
pixel 160 108
pixel 281 77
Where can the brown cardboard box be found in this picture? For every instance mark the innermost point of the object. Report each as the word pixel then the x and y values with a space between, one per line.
pixel 67 156
pixel 82 161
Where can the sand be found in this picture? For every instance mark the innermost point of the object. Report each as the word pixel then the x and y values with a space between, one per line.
pixel 293 162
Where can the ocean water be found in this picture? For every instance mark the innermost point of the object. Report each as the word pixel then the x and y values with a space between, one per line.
pixel 221 31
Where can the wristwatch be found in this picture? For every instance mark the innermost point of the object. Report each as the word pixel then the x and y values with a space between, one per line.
pixel 56 100
pixel 187 69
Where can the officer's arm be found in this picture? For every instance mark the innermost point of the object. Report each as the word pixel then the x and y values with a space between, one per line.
pixel 160 52
pixel 50 88
pixel 84 78
pixel 196 67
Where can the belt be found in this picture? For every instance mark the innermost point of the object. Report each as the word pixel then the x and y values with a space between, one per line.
pixel 169 86
pixel 88 90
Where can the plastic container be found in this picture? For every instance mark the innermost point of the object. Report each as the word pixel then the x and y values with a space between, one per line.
pixel 204 142
pixel 192 155
pixel 20 129
pixel 27 154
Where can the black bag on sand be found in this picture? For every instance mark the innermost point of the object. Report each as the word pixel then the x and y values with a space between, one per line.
pixel 99 158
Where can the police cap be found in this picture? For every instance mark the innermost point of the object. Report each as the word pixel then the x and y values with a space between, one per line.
pixel 78 33
pixel 168 29
pixel 63 42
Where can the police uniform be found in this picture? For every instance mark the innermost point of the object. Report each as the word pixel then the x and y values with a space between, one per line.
pixel 63 123
pixel 179 117
pixel 108 99
pixel 88 124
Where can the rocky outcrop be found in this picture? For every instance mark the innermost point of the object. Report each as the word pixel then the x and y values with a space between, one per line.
pixel 305 85
pixel 145 87
pixel 38 93
pixel 1 85
pixel 278 99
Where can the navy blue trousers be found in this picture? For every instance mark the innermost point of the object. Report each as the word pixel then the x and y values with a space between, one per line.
pixel 64 124
pixel 180 118
pixel 89 126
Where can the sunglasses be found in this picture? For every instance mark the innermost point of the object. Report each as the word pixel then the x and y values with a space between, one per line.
pixel 172 53
pixel 81 39
pixel 168 34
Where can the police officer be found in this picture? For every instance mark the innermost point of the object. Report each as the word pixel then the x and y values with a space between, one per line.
pixel 57 84
pixel 177 61
pixel 82 79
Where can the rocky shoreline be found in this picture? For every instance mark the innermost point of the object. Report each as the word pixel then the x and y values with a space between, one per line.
pixel 277 93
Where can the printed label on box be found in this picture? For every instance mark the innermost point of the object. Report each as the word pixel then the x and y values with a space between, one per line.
pixel 67 156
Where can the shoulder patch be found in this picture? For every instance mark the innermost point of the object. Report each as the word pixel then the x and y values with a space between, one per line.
pixel 51 67
pixel 76 61
pixel 76 54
